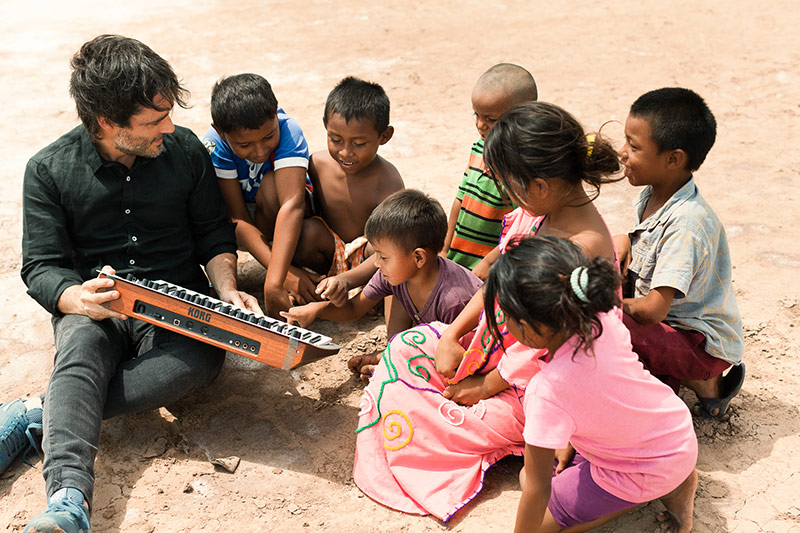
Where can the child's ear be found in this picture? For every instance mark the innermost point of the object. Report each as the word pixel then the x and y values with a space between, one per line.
pixel 541 186
pixel 420 257
pixel 677 159
pixel 387 134
pixel 216 129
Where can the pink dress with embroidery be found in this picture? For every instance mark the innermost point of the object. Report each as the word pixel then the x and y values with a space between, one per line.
pixel 420 453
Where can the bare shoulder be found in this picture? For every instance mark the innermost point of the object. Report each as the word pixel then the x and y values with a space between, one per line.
pixel 595 243
pixel 387 176
pixel 322 167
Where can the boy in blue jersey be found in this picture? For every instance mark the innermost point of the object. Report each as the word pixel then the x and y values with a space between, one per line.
pixel 261 157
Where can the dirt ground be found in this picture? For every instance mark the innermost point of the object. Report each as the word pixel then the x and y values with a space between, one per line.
pixel 294 430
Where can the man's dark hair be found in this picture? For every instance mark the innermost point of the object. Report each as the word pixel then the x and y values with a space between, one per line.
pixel 359 99
pixel 242 102
pixel 410 219
pixel 115 77
pixel 679 120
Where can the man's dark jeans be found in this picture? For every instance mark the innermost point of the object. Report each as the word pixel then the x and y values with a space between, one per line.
pixel 108 368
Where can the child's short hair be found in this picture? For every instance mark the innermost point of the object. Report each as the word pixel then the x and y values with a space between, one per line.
pixel 679 120
pixel 242 102
pixel 410 219
pixel 359 99
pixel 542 140
pixel 513 80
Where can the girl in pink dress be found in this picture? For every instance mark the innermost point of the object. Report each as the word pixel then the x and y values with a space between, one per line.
pixel 634 438
pixel 445 402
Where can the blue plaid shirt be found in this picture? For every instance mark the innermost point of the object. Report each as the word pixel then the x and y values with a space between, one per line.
pixel 683 246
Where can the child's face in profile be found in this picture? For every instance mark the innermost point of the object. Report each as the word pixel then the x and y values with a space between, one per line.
pixel 255 145
pixel 488 106
pixel 644 163
pixel 527 336
pixel 354 143
pixel 396 264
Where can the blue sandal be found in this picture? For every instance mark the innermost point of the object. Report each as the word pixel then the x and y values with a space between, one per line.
pixel 731 385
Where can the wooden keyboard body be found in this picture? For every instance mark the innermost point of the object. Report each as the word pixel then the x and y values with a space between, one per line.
pixel 269 341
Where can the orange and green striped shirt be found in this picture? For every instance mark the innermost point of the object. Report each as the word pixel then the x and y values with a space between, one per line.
pixel 480 219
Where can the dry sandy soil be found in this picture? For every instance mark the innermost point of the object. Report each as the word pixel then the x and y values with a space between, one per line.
pixel 294 430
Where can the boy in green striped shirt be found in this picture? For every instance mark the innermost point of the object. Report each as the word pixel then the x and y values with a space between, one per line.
pixel 476 217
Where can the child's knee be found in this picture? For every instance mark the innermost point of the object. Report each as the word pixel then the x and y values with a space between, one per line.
pixel 267 204
pixel 315 246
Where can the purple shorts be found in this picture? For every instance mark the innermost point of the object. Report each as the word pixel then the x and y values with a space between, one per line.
pixel 576 499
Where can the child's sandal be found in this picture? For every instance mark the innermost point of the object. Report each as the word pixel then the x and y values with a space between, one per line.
pixel 731 385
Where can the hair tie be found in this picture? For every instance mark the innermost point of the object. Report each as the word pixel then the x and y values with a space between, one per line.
pixel 590 140
pixel 579 280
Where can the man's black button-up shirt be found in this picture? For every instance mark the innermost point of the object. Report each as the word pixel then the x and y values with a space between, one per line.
pixel 160 219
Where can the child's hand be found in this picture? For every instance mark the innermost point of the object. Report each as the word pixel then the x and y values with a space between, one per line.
pixel 300 284
pixel 468 391
pixel 564 456
pixel 482 269
pixel 302 316
pixel 623 245
pixel 276 300
pixel 334 289
pixel 449 354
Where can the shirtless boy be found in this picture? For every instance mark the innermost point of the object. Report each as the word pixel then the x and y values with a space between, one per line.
pixel 349 181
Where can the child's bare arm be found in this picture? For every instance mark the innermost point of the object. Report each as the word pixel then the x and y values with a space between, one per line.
pixel 622 243
pixel 303 315
pixel 535 480
pixel 482 268
pixel 246 231
pixel 353 309
pixel 451 226
pixel 449 352
pixel 398 319
pixel 290 188
pixel 473 389
pixel 335 288
pixel 651 309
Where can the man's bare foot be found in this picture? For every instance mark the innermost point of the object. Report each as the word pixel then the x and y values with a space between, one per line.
pixel 680 506
pixel 364 365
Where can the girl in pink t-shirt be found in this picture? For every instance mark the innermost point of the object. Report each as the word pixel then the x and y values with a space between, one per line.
pixel 632 438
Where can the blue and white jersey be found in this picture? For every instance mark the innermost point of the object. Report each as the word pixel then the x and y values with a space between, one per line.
pixel 292 151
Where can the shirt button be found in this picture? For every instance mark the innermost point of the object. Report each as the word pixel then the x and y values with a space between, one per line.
pixel 132 262
pixel 134 239
pixel 127 211
pixel 127 178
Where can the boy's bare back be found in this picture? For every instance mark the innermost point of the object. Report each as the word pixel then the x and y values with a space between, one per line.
pixel 345 201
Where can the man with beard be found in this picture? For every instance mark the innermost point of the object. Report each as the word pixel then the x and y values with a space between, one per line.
pixel 130 190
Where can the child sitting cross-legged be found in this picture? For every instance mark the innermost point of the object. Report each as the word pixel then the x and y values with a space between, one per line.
pixel 602 435
pixel 407 232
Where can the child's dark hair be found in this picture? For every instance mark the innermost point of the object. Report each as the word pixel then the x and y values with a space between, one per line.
pixel 533 281
pixel 115 77
pixel 242 102
pixel 679 120
pixel 541 140
pixel 410 219
pixel 359 99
